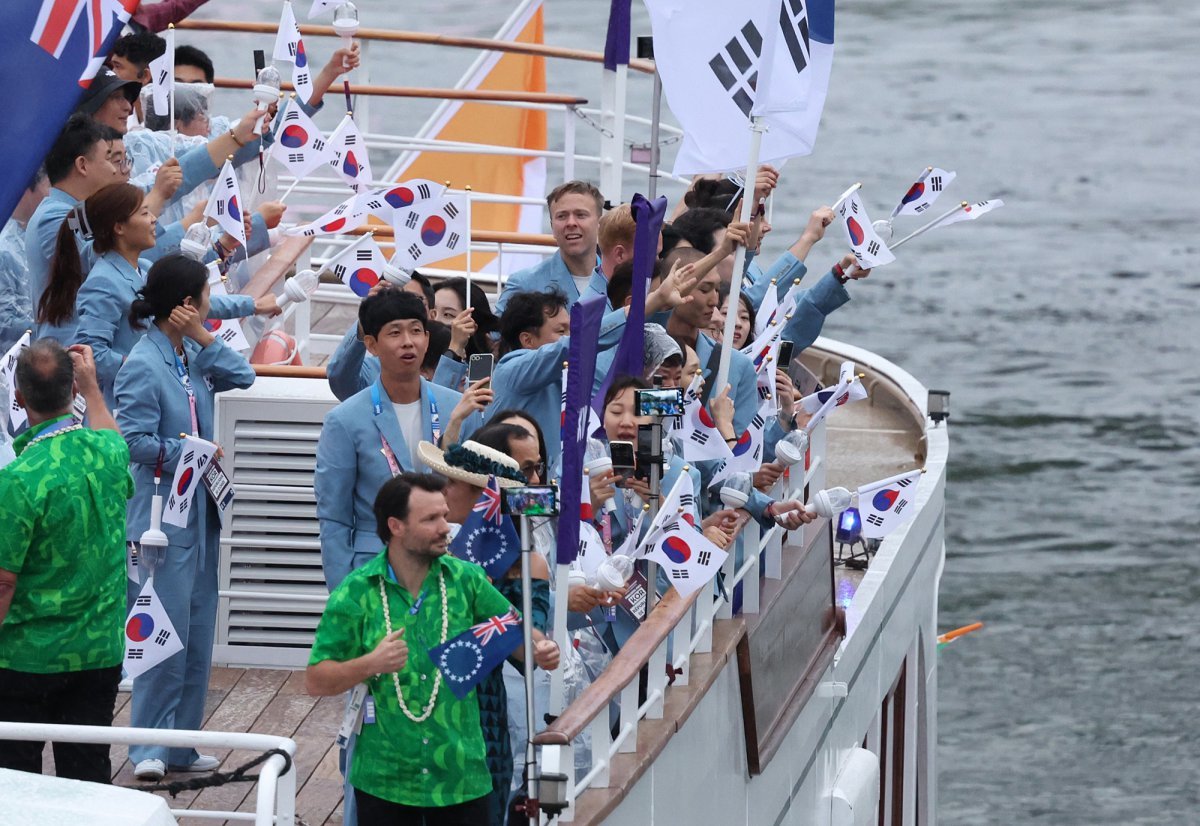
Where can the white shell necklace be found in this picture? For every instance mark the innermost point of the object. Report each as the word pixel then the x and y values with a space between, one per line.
pixel 51 434
pixel 437 677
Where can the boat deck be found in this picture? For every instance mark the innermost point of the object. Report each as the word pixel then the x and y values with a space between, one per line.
pixel 265 702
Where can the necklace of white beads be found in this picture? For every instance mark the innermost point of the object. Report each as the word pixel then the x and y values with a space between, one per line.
pixel 437 677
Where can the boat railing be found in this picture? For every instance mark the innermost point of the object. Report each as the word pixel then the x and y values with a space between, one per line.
pixel 275 802
pixel 683 644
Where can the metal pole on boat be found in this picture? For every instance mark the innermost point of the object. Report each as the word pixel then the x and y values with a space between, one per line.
pixel 527 632
pixel 645 47
pixel 467 293
pixel 757 127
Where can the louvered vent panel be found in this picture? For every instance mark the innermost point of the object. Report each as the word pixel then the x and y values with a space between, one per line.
pixel 271 579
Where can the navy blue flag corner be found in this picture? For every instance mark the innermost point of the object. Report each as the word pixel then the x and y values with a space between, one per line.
pixel 465 660
pixel 49 52
pixel 586 315
pixel 488 537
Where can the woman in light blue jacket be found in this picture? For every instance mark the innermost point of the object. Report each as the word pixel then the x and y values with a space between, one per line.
pixel 165 388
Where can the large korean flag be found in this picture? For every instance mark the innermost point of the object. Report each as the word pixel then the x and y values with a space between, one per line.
pixel 688 558
pixel 150 637
pixel 888 503
pixel 722 62
pixel 225 203
pixel 300 145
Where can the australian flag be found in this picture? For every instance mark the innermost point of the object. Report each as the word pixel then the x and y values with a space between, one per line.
pixel 54 47
pixel 488 537
pixel 465 660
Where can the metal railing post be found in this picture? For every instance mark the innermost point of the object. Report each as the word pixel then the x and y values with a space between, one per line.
pixel 570 116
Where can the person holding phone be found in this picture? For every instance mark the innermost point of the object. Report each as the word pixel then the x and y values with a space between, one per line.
pixel 167 387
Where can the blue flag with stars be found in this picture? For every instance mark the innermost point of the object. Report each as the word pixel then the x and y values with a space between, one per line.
pixel 488 537
pixel 465 660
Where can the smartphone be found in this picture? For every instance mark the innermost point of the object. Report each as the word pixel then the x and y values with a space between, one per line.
pixel 660 402
pixel 479 367
pixel 531 500
pixel 622 457
pixel 785 355
pixel 645 451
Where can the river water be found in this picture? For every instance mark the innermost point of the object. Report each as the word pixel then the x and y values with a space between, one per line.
pixel 1060 324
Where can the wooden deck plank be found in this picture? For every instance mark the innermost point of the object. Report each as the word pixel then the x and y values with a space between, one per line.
pixel 221 681
pixel 320 801
pixel 313 737
pixel 283 713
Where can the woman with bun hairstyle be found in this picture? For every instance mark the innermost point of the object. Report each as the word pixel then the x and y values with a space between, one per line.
pixel 166 388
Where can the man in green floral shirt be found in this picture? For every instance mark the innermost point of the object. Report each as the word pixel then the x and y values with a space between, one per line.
pixel 62 562
pixel 420 756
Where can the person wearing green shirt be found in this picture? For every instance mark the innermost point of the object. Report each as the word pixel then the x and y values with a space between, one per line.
pixel 62 562
pixel 420 756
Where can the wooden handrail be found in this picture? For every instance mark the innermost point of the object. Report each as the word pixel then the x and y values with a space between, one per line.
pixel 476 95
pixel 288 371
pixel 625 666
pixel 486 236
pixel 423 38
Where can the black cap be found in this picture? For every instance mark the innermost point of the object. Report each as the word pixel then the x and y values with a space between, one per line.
pixel 101 89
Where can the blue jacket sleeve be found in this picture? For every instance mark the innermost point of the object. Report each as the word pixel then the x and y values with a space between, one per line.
pixel 139 410
pixel 348 370
pixel 227 369
pixel 811 309
pixel 197 167
pixel 333 483
pixel 231 306
pixel 784 272
pixel 514 284
pixel 450 373
pixel 531 370
pixel 166 241
pixel 745 392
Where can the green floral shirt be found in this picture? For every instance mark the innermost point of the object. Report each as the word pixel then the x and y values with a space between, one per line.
pixel 440 762
pixel 64 537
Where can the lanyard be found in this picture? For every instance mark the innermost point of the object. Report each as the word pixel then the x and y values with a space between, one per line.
pixel 185 381
pixel 435 423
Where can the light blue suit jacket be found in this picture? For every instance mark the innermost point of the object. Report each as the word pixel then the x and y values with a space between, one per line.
pixel 351 368
pixel 103 312
pixel 744 390
pixel 153 410
pixel 550 273
pixel 351 468
pixel 812 304
pixel 531 380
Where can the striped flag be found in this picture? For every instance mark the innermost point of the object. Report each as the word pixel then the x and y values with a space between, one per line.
pixel 194 456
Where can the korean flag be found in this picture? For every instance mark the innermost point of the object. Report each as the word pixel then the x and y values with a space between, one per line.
pixel 225 203
pixel 431 230
pixel 865 243
pixel 888 503
pixel 150 637
pixel 194 456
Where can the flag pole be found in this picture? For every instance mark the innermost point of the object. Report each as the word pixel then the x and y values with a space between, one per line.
pixel 846 195
pixel 922 230
pixel 757 127
pixel 289 189
pixel 531 774
pixel 171 95
pixel 467 294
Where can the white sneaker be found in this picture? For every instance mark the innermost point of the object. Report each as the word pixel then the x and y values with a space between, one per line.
pixel 126 685
pixel 151 769
pixel 203 763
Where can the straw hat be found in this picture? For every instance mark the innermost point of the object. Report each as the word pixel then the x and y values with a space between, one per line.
pixel 472 463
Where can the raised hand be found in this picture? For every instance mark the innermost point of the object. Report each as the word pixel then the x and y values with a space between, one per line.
pixel 545 654
pixel 390 655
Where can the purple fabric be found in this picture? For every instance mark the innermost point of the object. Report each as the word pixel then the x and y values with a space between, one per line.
pixel 157 16
pixel 586 315
pixel 616 45
pixel 631 350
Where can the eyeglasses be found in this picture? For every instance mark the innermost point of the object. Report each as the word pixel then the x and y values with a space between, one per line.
pixel 123 163
pixel 538 468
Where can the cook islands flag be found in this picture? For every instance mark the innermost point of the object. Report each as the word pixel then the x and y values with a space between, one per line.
pixel 465 660
pixel 150 637
pixel 488 537
pixel 888 503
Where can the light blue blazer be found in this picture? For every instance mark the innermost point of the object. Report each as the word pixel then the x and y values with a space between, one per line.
pixel 550 273
pixel 103 311
pixel 744 383
pixel 351 468
pixel 153 410
pixel 812 304
pixel 531 380
pixel 351 368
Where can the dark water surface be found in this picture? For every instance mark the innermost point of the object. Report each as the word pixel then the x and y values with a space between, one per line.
pixel 1063 324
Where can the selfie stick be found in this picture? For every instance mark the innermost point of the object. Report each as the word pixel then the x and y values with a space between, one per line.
pixel 531 790
pixel 656 459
